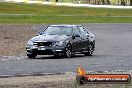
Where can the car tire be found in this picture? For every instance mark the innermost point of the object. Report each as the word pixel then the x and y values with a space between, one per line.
pixel 31 55
pixel 68 51
pixel 91 48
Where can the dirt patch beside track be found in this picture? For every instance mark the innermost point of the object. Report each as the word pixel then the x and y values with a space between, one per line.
pixel 47 81
pixel 13 39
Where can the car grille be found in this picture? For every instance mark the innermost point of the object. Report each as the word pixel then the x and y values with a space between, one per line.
pixel 43 43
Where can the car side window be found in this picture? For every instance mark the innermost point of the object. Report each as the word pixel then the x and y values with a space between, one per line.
pixel 82 30
pixel 76 31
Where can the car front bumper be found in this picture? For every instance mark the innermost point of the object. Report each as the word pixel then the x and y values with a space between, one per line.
pixel 52 50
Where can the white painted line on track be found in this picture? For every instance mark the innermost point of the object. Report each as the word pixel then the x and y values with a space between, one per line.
pixel 6 58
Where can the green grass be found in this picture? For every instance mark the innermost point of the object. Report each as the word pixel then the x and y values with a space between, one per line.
pixel 35 13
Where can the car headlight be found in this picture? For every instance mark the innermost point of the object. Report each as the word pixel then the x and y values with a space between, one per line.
pixel 59 43
pixel 30 42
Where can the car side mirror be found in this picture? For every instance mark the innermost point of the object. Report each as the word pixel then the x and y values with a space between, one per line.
pixel 40 33
pixel 76 35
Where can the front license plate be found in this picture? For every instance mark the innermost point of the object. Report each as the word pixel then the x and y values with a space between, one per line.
pixel 41 49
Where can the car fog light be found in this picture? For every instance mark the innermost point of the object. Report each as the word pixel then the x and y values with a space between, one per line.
pixel 58 50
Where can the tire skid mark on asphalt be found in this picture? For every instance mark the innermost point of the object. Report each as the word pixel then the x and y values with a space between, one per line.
pixel 88 72
pixel 32 74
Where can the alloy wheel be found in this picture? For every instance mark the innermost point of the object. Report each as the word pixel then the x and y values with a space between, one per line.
pixel 68 50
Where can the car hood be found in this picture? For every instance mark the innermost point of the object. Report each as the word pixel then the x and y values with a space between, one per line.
pixel 49 38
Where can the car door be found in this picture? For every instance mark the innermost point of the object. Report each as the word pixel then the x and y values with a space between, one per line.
pixel 84 37
pixel 77 43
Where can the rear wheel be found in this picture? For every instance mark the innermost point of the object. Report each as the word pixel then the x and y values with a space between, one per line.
pixel 31 55
pixel 91 48
pixel 68 51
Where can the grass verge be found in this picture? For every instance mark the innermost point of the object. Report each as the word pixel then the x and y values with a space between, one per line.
pixel 34 13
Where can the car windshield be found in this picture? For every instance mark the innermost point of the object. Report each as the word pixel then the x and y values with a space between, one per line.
pixel 58 30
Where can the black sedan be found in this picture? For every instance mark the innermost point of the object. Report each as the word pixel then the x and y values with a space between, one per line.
pixel 61 40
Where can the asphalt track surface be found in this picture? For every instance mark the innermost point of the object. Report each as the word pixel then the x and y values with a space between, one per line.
pixel 113 52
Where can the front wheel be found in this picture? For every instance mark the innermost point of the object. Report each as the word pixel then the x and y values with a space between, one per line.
pixel 68 51
pixel 91 48
pixel 31 55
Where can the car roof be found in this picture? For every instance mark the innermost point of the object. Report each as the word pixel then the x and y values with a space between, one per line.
pixel 65 25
